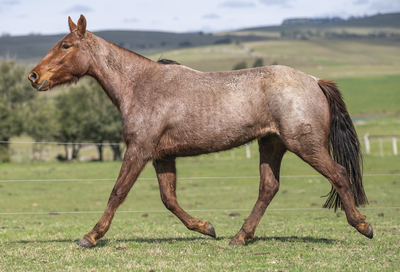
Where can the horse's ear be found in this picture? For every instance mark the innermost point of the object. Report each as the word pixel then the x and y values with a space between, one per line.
pixel 72 25
pixel 81 25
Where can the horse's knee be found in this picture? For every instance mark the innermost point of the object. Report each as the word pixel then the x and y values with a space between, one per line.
pixel 117 197
pixel 169 202
pixel 269 190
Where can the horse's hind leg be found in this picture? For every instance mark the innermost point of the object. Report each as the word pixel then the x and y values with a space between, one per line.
pixel 166 174
pixel 337 175
pixel 272 150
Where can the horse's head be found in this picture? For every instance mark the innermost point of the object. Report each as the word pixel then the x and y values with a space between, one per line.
pixel 66 62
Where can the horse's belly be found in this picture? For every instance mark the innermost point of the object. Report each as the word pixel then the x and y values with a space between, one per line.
pixel 206 140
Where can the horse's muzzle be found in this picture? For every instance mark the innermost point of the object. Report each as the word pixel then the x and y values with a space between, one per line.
pixel 34 78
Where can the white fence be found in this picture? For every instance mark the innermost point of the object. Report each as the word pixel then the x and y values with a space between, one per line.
pixel 380 140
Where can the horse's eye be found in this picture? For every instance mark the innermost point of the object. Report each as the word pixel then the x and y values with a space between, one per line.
pixel 65 46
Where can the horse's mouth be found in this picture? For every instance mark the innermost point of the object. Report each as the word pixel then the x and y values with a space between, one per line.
pixel 41 86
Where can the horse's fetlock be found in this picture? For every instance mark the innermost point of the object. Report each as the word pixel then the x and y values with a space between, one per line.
pixel 249 236
pixel 192 225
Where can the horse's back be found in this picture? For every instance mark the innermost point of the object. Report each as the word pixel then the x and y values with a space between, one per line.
pixel 218 111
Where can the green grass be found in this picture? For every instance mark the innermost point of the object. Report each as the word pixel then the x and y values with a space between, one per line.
pixel 286 240
pixel 371 96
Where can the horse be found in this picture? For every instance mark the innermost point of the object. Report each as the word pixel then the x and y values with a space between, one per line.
pixel 169 111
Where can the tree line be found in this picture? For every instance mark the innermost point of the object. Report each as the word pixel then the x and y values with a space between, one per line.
pixel 82 113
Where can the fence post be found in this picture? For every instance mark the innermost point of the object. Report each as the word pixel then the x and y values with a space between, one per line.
pixel 394 141
pixel 367 146
pixel 248 155
pixel 69 152
pixel 380 147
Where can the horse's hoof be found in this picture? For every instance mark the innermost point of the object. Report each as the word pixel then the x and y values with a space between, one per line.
pixel 84 243
pixel 211 230
pixel 370 232
pixel 236 242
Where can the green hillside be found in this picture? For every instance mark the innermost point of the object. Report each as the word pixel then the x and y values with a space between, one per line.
pixel 34 47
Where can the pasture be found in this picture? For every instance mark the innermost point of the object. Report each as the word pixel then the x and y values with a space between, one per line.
pixel 41 219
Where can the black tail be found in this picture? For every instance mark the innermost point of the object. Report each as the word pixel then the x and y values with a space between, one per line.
pixel 343 146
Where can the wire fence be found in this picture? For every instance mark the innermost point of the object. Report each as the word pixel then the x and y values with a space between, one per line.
pixel 20 154
pixel 210 210
pixel 187 178
pixel 206 178
pixel 26 151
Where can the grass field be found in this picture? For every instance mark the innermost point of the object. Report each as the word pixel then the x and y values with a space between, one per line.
pixel 145 236
pixel 46 207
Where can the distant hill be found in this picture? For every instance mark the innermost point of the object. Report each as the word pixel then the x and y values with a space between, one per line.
pixel 315 21
pixel 390 20
pixel 381 26
pixel 36 46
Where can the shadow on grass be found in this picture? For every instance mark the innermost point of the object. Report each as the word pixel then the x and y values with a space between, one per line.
pixel 294 239
pixel 105 242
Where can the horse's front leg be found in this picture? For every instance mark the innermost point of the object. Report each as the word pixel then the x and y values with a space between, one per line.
pixel 131 167
pixel 166 174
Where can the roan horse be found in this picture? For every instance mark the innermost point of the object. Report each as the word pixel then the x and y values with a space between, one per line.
pixel 171 111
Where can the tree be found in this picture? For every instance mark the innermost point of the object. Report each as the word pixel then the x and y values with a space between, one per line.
pixel 103 121
pixel 240 65
pixel 85 113
pixel 258 63
pixel 71 114
pixel 15 91
pixel 40 122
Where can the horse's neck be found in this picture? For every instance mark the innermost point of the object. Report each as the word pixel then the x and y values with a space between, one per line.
pixel 116 69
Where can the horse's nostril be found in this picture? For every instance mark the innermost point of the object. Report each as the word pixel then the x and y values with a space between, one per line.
pixel 33 76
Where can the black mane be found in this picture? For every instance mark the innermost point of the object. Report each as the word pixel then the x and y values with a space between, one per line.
pixel 167 61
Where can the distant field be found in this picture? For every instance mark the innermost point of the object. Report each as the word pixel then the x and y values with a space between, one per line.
pixel 321 58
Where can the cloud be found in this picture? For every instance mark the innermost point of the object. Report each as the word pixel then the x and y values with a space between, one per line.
pixel 237 4
pixel 210 16
pixel 7 4
pixel 131 20
pixel 276 2
pixel 79 9
pixel 10 2
pixel 360 2
pixel 386 5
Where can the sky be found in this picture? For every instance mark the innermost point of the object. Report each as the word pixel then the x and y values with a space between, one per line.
pixel 21 17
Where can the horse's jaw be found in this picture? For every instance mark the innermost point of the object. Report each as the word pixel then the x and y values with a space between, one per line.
pixel 41 87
